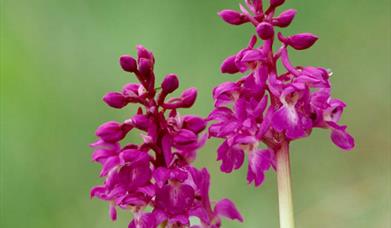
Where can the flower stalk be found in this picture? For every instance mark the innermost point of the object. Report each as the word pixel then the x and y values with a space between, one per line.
pixel 284 187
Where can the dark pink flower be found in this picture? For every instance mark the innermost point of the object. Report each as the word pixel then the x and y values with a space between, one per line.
pixel 157 173
pixel 266 106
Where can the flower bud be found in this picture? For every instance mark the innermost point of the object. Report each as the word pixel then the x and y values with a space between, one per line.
pixel 170 83
pixel 184 137
pixel 110 132
pixel 145 68
pixel 301 41
pixel 229 66
pixel 276 3
pixel 285 18
pixel 128 63
pixel 142 52
pixel 188 97
pixel 233 17
pixel 265 30
pixel 194 123
pixel 140 121
pixel 131 89
pixel 115 100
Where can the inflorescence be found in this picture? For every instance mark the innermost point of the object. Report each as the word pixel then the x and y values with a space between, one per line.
pixel 266 106
pixel 156 179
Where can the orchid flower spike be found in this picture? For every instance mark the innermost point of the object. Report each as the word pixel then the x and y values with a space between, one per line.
pixel 261 113
pixel 155 179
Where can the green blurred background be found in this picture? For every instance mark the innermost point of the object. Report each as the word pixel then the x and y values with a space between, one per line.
pixel 58 58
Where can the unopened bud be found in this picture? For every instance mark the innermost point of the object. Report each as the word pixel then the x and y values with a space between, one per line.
pixel 128 63
pixel 233 17
pixel 115 100
pixel 170 83
pixel 302 41
pixel 276 3
pixel 110 132
pixel 228 66
pixel 265 30
pixel 285 18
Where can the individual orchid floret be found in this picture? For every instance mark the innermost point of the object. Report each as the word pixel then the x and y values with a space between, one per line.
pixel 285 18
pixel 155 179
pixel 233 17
pixel 261 113
pixel 299 41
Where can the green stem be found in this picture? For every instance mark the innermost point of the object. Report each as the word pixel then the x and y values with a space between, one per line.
pixel 284 187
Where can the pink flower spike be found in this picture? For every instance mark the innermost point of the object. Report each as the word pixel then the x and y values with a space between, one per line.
pixel 158 172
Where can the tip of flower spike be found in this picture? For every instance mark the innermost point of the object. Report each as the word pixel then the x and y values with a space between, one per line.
pixel 142 52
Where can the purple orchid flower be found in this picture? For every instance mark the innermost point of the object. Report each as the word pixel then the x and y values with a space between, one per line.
pixel 155 180
pixel 299 99
pixel 268 107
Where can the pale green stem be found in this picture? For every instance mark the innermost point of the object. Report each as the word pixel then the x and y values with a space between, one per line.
pixel 284 187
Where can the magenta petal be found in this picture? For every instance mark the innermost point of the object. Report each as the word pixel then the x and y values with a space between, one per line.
pixel 259 162
pixel 285 18
pixel 184 137
pixel 128 63
pixel 233 17
pixel 110 131
pixel 201 213
pixel 194 123
pixel 146 220
pixel 302 41
pixel 229 66
pixel 287 118
pixel 226 208
pixel 231 157
pixel 161 175
pixel 113 213
pixel 109 165
pixel 340 137
pixel 265 30
pixel 140 121
pixel 97 191
pixel 115 100
pixel 175 200
pixel 100 155
pixel 253 55
pixel 170 83
pixel 166 147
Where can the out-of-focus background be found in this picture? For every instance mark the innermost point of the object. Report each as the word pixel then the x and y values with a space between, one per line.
pixel 58 58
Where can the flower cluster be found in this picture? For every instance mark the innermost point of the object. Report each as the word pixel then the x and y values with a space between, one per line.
pixel 155 179
pixel 265 106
